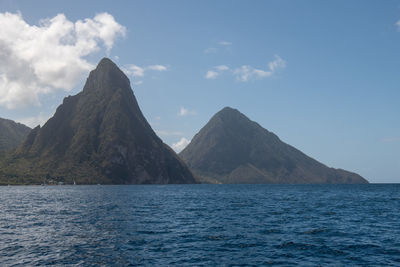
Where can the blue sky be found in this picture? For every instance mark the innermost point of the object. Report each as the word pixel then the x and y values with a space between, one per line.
pixel 322 75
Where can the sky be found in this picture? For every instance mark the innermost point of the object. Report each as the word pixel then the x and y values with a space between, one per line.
pixel 322 75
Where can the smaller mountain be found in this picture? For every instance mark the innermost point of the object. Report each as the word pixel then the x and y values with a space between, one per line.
pixel 231 148
pixel 11 134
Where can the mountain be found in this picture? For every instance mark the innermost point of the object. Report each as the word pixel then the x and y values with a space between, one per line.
pixel 97 136
pixel 231 148
pixel 11 134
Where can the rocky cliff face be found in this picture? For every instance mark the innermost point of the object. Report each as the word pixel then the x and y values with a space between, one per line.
pixel 230 148
pixel 11 134
pixel 97 136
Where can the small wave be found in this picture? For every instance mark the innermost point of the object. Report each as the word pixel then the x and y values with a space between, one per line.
pixel 314 231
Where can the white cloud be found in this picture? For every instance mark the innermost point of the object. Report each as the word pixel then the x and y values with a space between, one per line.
pixel 133 70
pixel 157 67
pixel 225 43
pixel 185 112
pixel 221 67
pixel 180 145
pixel 34 121
pixel 217 70
pixel 213 50
pixel 243 73
pixel 262 73
pixel 210 50
pixel 398 25
pixel 246 72
pixel 211 74
pixel 278 63
pixel 137 71
pixel 41 59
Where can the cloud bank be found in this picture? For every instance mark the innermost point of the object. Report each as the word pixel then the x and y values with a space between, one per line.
pixel 44 58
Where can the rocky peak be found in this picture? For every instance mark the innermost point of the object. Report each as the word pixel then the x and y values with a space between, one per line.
pixel 231 148
pixel 106 76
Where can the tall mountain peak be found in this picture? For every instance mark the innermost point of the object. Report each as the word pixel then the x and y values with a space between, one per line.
pixel 98 136
pixel 228 113
pixel 106 76
pixel 228 109
pixel 231 117
pixel 231 148
pixel 105 61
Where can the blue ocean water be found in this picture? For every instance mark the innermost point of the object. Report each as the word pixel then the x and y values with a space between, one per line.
pixel 212 225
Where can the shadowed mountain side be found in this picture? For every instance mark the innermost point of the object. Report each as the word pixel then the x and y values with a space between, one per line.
pixel 97 136
pixel 230 148
pixel 11 134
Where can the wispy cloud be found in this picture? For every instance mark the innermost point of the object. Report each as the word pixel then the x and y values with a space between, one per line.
pixel 225 43
pixel 211 74
pixel 157 67
pixel 186 112
pixel 398 25
pixel 215 71
pixel 137 71
pixel 133 70
pixel 210 50
pixel 246 72
pixel 221 67
pixel 276 64
pixel 168 133
pixel 180 145
pixel 48 57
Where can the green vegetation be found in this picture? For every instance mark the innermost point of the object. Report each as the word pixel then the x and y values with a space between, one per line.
pixel 11 135
pixel 230 148
pixel 97 136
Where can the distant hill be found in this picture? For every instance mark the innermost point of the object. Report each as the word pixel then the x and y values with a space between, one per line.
pixel 230 148
pixel 97 136
pixel 11 134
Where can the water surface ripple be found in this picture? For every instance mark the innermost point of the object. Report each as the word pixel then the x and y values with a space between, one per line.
pixel 192 225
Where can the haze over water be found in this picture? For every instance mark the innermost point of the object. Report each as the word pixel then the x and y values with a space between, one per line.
pixel 201 225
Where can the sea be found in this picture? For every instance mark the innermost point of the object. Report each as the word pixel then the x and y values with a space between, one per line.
pixel 200 225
